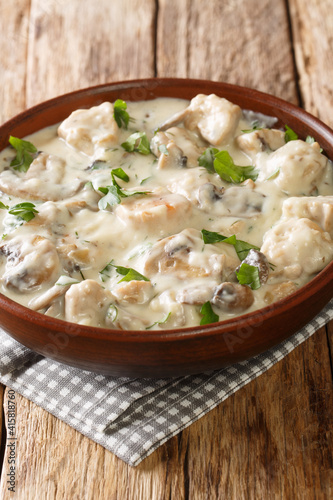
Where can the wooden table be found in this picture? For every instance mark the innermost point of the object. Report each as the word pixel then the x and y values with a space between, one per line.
pixel 273 438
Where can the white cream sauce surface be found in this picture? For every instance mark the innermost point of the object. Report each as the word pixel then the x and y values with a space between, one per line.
pixel 131 255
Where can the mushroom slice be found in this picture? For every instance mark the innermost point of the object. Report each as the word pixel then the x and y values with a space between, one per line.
pixel 32 261
pixel 43 181
pixel 261 140
pixel 233 297
pixel 237 201
pixel 214 118
pixel 166 150
pixel 318 209
pixel 183 256
pixel 259 260
pixel 90 129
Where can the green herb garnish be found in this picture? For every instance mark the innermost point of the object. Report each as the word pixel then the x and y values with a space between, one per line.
pixel 120 114
pixel 25 211
pixel 255 126
pixel 113 194
pixel 222 163
pixel 129 273
pixel 242 247
pixel 208 315
pixel 25 154
pixel 248 275
pixel 290 135
pixel 137 142
pixel 164 320
pixel 2 205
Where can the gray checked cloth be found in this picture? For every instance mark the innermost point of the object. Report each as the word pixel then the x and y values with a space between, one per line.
pixel 132 417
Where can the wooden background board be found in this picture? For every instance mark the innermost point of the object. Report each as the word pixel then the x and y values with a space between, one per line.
pixel 273 438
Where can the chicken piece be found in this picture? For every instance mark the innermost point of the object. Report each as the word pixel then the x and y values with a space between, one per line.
pixel 257 259
pixel 260 140
pixel 236 201
pixel 87 130
pixel 300 167
pixel 133 292
pixel 215 118
pixel 189 182
pixel 318 209
pixel 161 212
pixel 43 181
pixel 279 291
pixel 232 297
pixel 86 303
pixel 32 261
pixel 297 246
pixel 189 144
pixel 183 256
pixel 195 295
pixel 168 153
pixel 167 306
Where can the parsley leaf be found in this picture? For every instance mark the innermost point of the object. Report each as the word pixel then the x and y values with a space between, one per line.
pixel 207 159
pixel 242 247
pixel 164 320
pixel 110 198
pixel 25 154
pixel 290 135
pixel 2 205
pixel 113 194
pixel 222 163
pixel 120 114
pixel 25 211
pixel 208 315
pixel 130 274
pixel 137 142
pixel 248 275
pixel 255 126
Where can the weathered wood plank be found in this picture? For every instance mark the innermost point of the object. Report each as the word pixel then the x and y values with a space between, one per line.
pixel 235 41
pixel 78 44
pixel 312 26
pixel 14 29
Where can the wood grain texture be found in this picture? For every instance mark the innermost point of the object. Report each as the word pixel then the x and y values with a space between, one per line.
pixel 78 44
pixel 235 41
pixel 273 438
pixel 312 27
pixel 14 30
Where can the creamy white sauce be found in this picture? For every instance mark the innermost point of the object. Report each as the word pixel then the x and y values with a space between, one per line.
pixel 55 263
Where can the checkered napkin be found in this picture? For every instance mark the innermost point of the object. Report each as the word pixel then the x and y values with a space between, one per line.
pixel 132 417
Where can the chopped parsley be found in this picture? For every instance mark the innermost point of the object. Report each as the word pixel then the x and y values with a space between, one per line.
pixel 129 273
pixel 290 135
pixel 25 211
pixel 242 247
pixel 137 142
pixel 2 205
pixel 248 275
pixel 25 154
pixel 222 163
pixel 164 320
pixel 113 194
pixel 208 315
pixel 120 114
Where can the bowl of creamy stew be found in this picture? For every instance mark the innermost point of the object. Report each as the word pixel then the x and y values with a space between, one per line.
pixel 163 227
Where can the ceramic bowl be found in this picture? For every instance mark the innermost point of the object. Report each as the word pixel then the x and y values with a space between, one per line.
pixel 178 351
